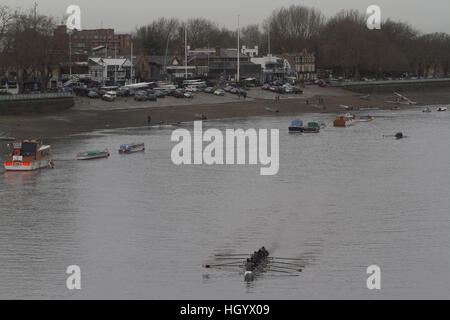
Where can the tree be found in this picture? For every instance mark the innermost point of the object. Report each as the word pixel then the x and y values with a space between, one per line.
pixel 294 28
pixel 28 46
pixel 156 38
pixel 251 36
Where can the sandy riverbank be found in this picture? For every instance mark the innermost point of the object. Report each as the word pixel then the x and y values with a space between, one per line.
pixel 120 114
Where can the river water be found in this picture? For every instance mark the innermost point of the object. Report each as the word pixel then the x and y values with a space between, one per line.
pixel 140 227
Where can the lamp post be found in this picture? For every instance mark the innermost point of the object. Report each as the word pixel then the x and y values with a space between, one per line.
pixel 238 51
pixel 70 54
pixel 185 52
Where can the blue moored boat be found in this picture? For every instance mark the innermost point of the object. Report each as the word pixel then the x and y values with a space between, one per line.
pixel 131 148
pixel 296 126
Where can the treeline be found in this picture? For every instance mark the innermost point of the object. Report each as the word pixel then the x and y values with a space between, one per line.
pixel 27 45
pixel 342 43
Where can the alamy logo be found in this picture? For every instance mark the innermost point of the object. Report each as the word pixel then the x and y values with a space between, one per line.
pixel 374 19
pixel 73 282
pixel 221 150
pixel 74 19
pixel 374 280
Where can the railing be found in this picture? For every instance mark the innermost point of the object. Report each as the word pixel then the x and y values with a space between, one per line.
pixel 35 96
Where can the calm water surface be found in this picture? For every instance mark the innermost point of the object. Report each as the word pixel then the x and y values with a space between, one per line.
pixel 140 227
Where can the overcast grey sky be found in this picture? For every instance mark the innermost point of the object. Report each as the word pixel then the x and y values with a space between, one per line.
pixel 125 15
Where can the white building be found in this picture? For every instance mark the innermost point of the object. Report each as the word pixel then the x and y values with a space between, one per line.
pixel 250 52
pixel 109 70
pixel 273 67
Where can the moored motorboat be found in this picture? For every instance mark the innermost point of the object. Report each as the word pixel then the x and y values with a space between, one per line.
pixel 312 127
pixel 91 155
pixel 296 126
pixel 29 155
pixel 344 121
pixel 132 148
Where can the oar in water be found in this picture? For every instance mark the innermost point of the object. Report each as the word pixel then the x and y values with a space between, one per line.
pixel 285 268
pixel 232 255
pixel 280 271
pixel 288 264
pixel 292 259
pixel 208 266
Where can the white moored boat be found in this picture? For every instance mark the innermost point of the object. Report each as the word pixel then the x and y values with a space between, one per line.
pixel 92 155
pixel 29 155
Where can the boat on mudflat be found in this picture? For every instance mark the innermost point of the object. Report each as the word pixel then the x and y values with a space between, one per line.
pixel 91 155
pixel 442 109
pixel 312 127
pixel 366 118
pixel 344 121
pixel 132 148
pixel 29 155
pixel 296 126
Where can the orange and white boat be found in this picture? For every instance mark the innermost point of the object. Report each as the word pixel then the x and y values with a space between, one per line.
pixel 29 155
pixel 344 121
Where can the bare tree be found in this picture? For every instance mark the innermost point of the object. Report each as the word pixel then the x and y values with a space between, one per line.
pixel 251 36
pixel 28 46
pixel 155 38
pixel 293 28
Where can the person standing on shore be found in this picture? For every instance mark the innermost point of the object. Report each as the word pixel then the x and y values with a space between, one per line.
pixel 149 120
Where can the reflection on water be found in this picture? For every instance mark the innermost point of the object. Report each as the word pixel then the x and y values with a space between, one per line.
pixel 140 227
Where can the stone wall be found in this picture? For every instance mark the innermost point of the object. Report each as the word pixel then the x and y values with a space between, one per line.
pixel 44 105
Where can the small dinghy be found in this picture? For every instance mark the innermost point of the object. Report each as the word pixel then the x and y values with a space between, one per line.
pixel 367 118
pixel 441 109
pixel 91 155
pixel 131 148
pixel 312 127
pixel 427 110
pixel 399 135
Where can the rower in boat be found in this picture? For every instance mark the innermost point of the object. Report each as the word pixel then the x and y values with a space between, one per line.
pixel 257 259
pixel 259 262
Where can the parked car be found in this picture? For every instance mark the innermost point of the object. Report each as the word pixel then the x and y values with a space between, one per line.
pixel 140 96
pixel 109 97
pixel 265 86
pixel 219 92
pixel 188 95
pixel 160 94
pixel 123 92
pixel 234 90
pixel 93 95
pixel 191 89
pixel 209 90
pixel 152 97
pixel 228 88
pixel 178 94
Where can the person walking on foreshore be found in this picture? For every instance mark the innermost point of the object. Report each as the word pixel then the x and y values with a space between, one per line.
pixel 149 120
